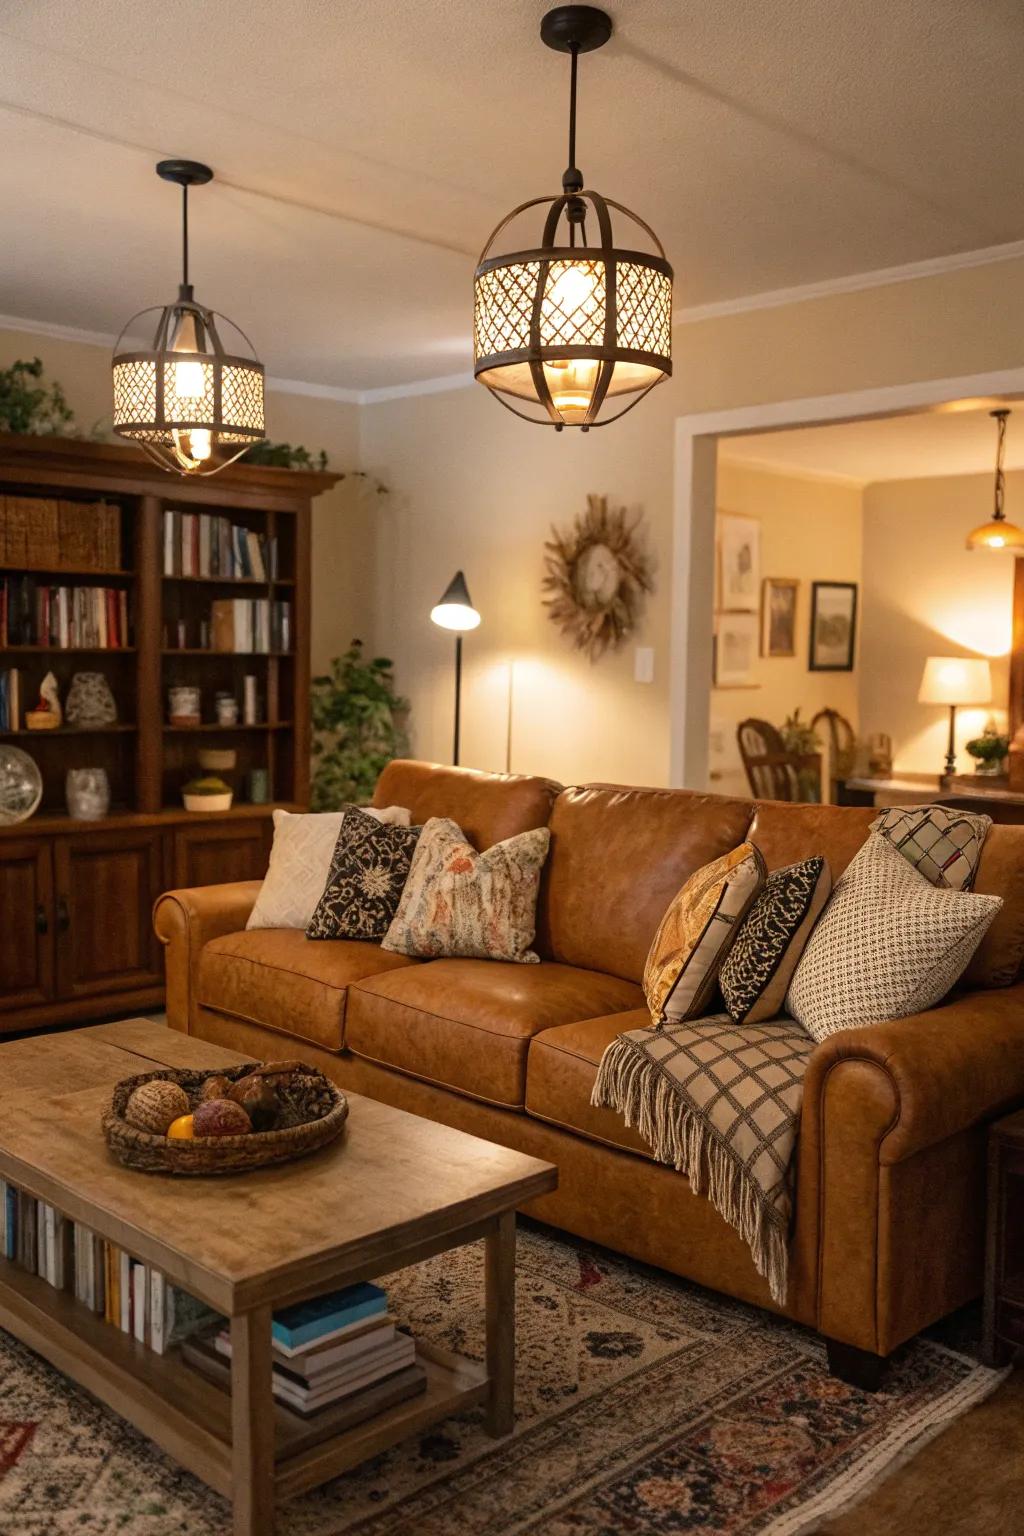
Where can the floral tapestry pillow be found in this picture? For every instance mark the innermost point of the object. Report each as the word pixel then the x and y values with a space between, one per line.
pixel 458 902
pixel 696 932
pixel 369 868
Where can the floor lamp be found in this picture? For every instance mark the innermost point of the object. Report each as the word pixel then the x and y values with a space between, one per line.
pixel 455 611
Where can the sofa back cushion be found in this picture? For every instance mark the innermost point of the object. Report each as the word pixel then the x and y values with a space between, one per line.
pixel 618 857
pixel 998 958
pixel 788 834
pixel 487 806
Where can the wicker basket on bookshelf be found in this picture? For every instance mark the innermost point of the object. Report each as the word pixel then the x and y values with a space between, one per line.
pixel 313 1114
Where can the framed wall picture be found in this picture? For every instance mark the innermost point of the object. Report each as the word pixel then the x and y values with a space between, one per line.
pixel 778 616
pixel 735 650
pixel 739 563
pixel 833 625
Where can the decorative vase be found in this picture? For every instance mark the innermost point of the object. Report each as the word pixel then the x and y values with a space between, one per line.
pixel 90 701
pixel 992 768
pixel 87 791
pixel 184 706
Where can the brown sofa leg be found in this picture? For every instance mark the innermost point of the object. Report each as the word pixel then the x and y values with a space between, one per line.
pixel 857 1367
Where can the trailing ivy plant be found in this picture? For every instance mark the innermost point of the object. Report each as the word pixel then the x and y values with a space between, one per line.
pixel 284 456
pixel 31 404
pixel 358 727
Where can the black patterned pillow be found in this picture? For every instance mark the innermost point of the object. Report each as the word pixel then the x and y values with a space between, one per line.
pixel 369 868
pixel 759 966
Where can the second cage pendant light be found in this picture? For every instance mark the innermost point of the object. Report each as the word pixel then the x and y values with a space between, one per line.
pixel 193 406
pixel 567 327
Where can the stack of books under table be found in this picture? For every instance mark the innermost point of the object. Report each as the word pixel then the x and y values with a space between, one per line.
pixel 340 1348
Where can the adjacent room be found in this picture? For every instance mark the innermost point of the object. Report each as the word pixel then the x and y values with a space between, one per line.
pixel 511 768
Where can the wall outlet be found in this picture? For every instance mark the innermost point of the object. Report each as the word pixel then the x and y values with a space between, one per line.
pixel 643 664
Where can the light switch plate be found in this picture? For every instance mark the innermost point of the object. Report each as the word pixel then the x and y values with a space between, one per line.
pixel 643 664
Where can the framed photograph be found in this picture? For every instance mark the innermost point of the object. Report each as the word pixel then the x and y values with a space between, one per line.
pixel 778 616
pixel 735 650
pixel 833 625
pixel 739 563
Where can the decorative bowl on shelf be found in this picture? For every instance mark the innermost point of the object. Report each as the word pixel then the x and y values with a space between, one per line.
pixel 309 1112
pixel 207 794
pixel 40 720
pixel 217 759
pixel 21 786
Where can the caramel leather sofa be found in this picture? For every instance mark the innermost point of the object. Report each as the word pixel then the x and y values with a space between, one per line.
pixel 887 1234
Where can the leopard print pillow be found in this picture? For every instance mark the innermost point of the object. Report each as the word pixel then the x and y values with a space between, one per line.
pixel 767 949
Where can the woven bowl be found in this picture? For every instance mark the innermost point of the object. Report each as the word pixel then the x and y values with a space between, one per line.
pixel 313 1113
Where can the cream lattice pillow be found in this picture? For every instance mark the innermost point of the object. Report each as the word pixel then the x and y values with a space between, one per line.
pixel 458 902
pixel 887 945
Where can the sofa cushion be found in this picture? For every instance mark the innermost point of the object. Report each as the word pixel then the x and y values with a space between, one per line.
pixel 279 978
pixel 787 834
pixel 560 1073
pixel 618 857
pixel 487 806
pixel 998 959
pixel 467 1024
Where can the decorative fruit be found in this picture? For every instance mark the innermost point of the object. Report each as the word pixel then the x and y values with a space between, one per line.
pixel 220 1117
pixel 259 1101
pixel 153 1106
pixel 181 1129
pixel 215 1088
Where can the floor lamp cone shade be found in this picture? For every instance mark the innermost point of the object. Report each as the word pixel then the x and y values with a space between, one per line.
pixel 454 610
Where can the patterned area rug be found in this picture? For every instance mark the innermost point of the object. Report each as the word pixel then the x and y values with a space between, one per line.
pixel 645 1406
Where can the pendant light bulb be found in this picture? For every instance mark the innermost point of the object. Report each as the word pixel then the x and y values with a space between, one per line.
pixel 999 534
pixel 189 377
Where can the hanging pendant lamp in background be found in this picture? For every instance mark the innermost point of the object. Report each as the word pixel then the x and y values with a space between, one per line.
pixel 190 404
pixel 998 534
pixel 568 326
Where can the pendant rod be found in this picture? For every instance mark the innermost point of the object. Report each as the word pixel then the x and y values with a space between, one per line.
pixel 1000 487
pixel 184 234
pixel 575 52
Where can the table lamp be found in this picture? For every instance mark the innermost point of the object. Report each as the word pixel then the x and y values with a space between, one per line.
pixel 953 680
pixel 455 611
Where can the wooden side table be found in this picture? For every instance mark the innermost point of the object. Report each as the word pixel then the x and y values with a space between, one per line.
pixel 1004 1244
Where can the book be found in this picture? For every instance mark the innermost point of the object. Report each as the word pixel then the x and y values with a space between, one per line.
pixel 355 1341
pixel 354 1408
pixel 308 1321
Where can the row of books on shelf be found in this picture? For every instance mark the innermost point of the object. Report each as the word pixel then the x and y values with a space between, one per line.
pixel 343 1350
pixel 125 1292
pixel 250 624
pixel 39 532
pixel 203 544
pixel 34 613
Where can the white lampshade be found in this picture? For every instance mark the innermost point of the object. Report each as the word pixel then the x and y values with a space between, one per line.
pixel 956 680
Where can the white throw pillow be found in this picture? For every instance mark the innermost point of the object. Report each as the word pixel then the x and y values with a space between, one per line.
pixel 888 944
pixel 300 861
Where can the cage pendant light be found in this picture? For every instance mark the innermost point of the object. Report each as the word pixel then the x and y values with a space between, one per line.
pixel 189 402
pixel 998 534
pixel 566 328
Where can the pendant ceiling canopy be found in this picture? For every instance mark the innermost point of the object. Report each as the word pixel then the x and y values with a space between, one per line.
pixel 579 324
pixel 998 534
pixel 193 405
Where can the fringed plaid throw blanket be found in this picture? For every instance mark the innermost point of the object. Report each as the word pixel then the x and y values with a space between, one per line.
pixel 719 1101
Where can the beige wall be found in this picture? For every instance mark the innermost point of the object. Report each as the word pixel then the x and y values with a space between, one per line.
pixel 811 531
pixel 926 595
pixel 342 520
pixel 472 486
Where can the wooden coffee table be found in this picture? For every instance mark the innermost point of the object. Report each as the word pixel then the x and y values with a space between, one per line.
pixel 392 1191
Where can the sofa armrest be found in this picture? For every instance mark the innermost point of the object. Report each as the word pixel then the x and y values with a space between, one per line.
pixel 186 920
pixel 945 1070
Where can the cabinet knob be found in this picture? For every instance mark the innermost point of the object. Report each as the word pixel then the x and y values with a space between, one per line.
pixel 42 921
pixel 63 915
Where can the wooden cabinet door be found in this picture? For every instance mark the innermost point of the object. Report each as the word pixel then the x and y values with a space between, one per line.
pixel 26 922
pixel 216 852
pixel 106 884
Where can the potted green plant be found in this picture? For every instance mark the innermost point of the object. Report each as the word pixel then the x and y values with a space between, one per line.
pixel 207 794
pixel 31 404
pixel 800 738
pixel 358 725
pixel 989 750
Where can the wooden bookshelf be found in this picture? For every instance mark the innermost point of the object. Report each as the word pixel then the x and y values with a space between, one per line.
pixel 79 943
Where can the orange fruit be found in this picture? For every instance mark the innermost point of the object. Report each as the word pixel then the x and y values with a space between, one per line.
pixel 181 1129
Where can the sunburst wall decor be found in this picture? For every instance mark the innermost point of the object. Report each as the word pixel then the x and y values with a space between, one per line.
pixel 597 575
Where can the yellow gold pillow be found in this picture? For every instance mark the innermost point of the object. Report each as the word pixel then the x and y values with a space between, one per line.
pixel 694 936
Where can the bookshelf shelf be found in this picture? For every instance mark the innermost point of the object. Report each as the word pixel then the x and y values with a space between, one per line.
pixel 77 941
pixel 194 730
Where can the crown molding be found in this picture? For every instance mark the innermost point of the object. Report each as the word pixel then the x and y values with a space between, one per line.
pixel 777 298
pixel 789 471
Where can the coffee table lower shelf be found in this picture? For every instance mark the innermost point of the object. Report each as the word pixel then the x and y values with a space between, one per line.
pixel 190 1416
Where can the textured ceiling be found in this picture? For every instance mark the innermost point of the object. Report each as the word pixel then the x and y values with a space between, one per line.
pixel 365 149
pixel 947 442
